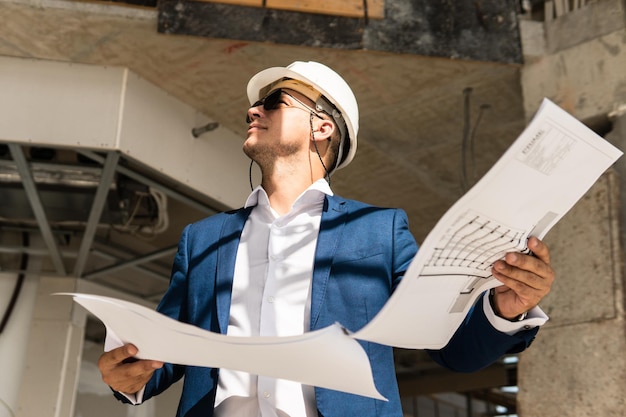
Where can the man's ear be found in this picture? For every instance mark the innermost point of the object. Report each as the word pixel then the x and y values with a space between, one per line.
pixel 324 130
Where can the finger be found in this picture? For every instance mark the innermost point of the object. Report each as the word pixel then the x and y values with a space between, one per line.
pixel 539 249
pixel 520 281
pixel 516 279
pixel 139 369
pixel 116 356
pixel 130 377
pixel 123 353
pixel 520 265
pixel 527 294
pixel 515 266
pixel 528 286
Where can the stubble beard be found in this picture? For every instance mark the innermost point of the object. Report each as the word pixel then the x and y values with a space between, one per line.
pixel 265 155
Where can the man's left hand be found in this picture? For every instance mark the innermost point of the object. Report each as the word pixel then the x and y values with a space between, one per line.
pixel 527 280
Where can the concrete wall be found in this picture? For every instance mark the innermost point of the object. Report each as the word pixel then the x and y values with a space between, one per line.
pixel 587 79
pixel 576 366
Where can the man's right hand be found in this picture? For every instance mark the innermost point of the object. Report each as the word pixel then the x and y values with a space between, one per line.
pixel 122 372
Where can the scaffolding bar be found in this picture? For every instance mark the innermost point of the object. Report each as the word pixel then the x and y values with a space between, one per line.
pixel 108 173
pixel 35 203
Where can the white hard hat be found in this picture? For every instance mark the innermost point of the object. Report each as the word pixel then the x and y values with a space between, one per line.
pixel 330 84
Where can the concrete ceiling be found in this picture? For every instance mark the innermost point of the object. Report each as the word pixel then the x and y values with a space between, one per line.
pixel 412 107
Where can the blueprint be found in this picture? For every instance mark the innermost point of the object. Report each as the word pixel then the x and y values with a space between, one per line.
pixel 326 358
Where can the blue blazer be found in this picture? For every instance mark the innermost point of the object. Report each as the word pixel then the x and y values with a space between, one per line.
pixel 362 253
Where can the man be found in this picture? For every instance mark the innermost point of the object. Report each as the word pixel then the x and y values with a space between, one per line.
pixel 298 258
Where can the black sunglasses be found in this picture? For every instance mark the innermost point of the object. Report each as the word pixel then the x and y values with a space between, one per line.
pixel 272 102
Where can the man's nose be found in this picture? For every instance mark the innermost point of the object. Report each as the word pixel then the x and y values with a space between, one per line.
pixel 253 113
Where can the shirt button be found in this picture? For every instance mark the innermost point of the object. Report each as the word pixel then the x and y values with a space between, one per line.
pixel 270 299
pixel 266 394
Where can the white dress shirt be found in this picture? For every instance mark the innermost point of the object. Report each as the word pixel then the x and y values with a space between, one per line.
pixel 271 297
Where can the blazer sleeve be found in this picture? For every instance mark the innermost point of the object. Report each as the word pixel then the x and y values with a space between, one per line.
pixel 404 246
pixel 477 344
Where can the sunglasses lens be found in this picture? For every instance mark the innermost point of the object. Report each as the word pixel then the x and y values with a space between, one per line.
pixel 271 102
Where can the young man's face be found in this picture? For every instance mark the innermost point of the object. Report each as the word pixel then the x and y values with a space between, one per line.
pixel 283 131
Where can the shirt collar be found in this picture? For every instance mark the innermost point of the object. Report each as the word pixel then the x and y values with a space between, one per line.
pixel 314 193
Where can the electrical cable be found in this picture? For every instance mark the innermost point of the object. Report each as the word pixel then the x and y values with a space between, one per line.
pixel 250 174
pixel 18 285
pixel 163 220
pixel 6 407
pixel 468 140
pixel 466 136
pixel 483 107
pixel 317 150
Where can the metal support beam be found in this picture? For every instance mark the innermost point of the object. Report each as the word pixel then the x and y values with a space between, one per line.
pixel 14 249
pixel 143 270
pixel 102 191
pixel 485 30
pixel 443 380
pixel 133 262
pixel 35 203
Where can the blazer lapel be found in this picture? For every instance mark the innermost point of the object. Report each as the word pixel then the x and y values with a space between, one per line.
pixel 331 229
pixel 226 257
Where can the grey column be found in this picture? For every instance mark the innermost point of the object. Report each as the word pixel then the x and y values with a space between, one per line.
pixel 577 365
